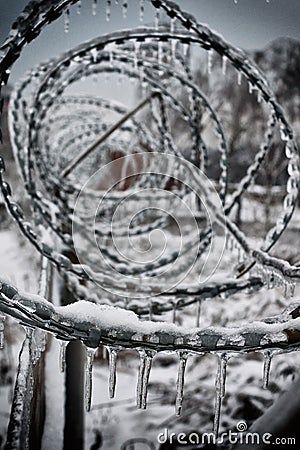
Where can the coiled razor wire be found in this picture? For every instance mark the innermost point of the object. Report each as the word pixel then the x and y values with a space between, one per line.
pixel 41 125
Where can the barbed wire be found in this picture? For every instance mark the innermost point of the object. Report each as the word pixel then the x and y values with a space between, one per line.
pixel 159 59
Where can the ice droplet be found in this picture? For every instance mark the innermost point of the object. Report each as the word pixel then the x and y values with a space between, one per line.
pixel 62 355
pixel 173 48
pixel 142 10
pixel 124 8
pixel 90 354
pixel 172 24
pixel 180 382
pixel 220 390
pixel 224 64
pixel 150 309
pixel 143 378
pixel 94 7
pixel 2 320
pixel 159 52
pixel 112 362
pixel 267 368
pixel 174 313
pixel 239 77
pixel 185 49
pixel 67 20
pixel 259 96
pixel 104 355
pixel 111 57
pixel 79 7
pixel 198 313
pixel 209 61
pixel 156 20
pixel 108 10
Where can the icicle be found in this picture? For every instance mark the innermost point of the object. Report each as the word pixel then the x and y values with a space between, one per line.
pixel 111 57
pixel 224 64
pixel 267 368
pixel 29 333
pixel 94 7
pixel 121 75
pixel 2 320
pixel 173 48
pixel 220 390
pixel 198 313
pixel 67 20
pixel 156 20
pixel 174 313
pixel 230 243
pixel 209 61
pixel 239 78
pixel 250 86
pixel 180 382
pixel 125 8
pixel 143 378
pixel 142 10
pixel 62 355
pixel 79 7
pixel 150 310
pixel 185 49
pixel 90 354
pixel 113 353
pixel 136 53
pixel 159 52
pixel 108 10
pixel 259 96
pixel 94 54
pixel 172 24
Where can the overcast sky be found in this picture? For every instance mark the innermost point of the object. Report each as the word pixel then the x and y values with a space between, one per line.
pixel 248 24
